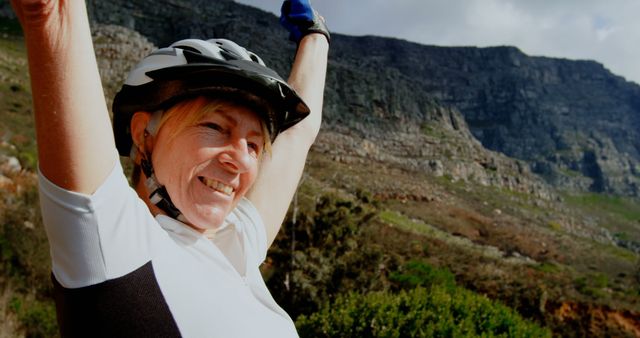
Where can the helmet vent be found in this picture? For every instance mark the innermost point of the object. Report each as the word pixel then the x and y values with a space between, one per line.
pixel 229 55
pixel 189 48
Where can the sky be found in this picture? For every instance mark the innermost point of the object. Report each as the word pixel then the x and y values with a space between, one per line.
pixel 607 31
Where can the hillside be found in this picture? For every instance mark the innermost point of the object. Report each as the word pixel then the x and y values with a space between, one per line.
pixel 572 122
pixel 406 147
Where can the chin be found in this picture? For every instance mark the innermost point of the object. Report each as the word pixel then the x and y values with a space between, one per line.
pixel 206 221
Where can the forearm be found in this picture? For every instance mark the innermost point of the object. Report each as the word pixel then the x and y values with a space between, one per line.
pixel 281 171
pixel 75 143
pixel 308 79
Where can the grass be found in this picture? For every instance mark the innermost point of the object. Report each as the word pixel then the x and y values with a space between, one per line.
pixel 555 225
pixel 622 253
pixel 620 216
pixel 416 226
pixel 428 129
pixel 16 122
pixel 548 267
pixel 623 207
pixel 397 219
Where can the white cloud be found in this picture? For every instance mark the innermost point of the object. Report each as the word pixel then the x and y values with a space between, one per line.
pixel 605 31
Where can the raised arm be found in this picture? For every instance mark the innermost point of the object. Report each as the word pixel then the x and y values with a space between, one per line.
pixel 76 150
pixel 281 171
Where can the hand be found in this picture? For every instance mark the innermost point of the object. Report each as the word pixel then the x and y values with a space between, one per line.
pixel 300 19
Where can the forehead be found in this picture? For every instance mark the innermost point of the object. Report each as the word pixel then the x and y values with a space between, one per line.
pixel 233 112
pixel 198 110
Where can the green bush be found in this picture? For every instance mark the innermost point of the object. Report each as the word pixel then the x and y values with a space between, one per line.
pixel 24 258
pixel 416 273
pixel 37 318
pixel 24 250
pixel 420 312
pixel 321 255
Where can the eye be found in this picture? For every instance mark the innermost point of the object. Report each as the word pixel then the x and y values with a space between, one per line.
pixel 254 146
pixel 212 125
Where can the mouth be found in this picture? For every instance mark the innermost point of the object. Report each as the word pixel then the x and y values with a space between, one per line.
pixel 217 185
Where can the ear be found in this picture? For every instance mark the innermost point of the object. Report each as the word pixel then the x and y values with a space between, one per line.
pixel 139 122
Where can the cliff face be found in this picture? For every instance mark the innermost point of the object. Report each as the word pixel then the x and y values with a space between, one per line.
pixel 572 122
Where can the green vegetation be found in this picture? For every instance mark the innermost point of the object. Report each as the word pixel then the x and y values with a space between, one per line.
pixel 548 267
pixel 419 312
pixel 37 317
pixel 24 258
pixel 372 249
pixel 331 282
pixel 592 285
pixel 320 255
pixel 419 274
pixel 397 219
pixel 16 122
pixel 624 207
pixel 429 129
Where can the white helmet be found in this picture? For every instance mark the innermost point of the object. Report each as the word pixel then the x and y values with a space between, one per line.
pixel 194 67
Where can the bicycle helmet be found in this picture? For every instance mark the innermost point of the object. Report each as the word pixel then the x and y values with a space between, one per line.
pixel 193 67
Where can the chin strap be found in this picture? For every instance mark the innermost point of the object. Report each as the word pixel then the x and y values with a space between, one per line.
pixel 158 194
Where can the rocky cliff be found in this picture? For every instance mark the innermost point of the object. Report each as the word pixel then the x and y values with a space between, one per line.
pixel 572 122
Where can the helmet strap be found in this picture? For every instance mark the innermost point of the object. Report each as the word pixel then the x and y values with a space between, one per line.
pixel 158 194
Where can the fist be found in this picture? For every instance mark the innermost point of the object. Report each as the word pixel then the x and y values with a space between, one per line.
pixel 300 19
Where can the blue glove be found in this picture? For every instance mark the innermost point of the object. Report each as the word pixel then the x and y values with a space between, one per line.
pixel 300 19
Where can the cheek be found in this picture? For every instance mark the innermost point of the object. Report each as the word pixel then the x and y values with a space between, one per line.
pixel 249 178
pixel 171 163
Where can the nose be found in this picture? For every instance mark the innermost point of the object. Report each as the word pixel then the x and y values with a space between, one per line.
pixel 237 158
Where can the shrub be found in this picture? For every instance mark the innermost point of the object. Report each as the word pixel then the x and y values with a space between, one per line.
pixel 37 318
pixel 320 255
pixel 24 251
pixel 416 273
pixel 24 258
pixel 434 312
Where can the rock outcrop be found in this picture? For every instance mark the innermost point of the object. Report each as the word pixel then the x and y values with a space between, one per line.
pixel 572 122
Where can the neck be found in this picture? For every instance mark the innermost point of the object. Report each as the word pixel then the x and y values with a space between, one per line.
pixel 143 193
pixel 141 189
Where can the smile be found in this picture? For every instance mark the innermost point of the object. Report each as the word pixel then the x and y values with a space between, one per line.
pixel 217 185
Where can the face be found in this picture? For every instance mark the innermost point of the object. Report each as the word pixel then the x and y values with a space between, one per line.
pixel 208 166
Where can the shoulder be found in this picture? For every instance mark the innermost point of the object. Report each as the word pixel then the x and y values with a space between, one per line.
pixel 95 237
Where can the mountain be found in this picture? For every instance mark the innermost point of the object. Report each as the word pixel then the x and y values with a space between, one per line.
pixel 565 118
pixel 453 148
pixel 573 123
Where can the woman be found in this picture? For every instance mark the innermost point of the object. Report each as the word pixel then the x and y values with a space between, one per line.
pixel 220 142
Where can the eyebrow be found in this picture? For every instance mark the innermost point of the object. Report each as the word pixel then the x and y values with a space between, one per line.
pixel 230 117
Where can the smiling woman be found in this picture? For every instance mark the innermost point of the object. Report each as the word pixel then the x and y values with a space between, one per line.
pixel 219 141
pixel 206 165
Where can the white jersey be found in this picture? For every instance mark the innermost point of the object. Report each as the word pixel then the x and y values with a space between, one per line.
pixel 118 271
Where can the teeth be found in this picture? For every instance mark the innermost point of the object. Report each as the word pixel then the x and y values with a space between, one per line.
pixel 218 186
